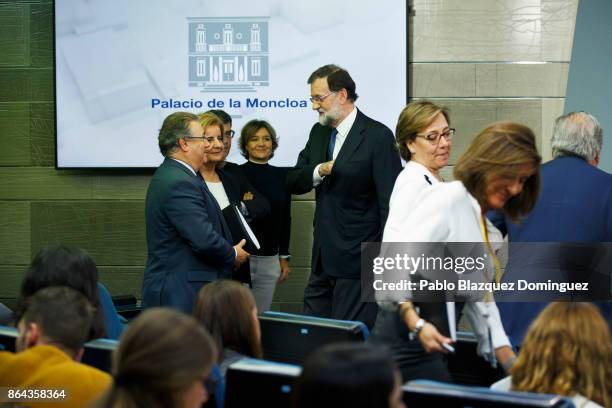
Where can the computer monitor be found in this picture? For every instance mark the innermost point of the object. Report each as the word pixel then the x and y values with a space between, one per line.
pixel 98 353
pixel 8 336
pixel 252 382
pixel 423 393
pixel 290 338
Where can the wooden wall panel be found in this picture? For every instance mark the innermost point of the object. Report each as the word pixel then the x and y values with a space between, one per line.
pixel 113 232
pixel 14 233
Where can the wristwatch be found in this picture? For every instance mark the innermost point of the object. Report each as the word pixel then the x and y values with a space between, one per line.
pixel 417 328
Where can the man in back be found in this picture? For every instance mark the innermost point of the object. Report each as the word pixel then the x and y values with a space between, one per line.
pixel 53 326
pixel 188 240
pixel 575 205
pixel 352 163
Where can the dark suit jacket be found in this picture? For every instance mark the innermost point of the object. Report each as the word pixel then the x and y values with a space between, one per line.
pixel 353 202
pixel 575 205
pixel 187 238
pixel 236 185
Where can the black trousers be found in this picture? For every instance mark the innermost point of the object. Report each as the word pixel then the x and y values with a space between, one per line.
pixel 337 298
pixel 411 358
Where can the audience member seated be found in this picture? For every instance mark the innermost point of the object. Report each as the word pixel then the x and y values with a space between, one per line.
pixel 164 360
pixel 53 325
pixel 228 311
pixel 59 265
pixel 567 351
pixel 349 375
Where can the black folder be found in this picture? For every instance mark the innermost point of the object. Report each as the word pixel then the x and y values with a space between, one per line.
pixel 239 228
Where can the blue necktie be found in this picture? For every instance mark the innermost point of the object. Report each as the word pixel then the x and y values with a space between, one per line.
pixel 332 143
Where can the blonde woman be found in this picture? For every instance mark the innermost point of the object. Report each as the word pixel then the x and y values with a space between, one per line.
pixel 567 351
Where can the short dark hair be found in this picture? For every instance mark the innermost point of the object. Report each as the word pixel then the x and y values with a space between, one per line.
pixel 63 314
pixel 249 130
pixel 337 78
pixel 60 265
pixel 223 115
pixel 174 127
pixel 346 374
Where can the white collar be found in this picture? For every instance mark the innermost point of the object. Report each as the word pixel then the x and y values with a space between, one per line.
pixel 186 165
pixel 419 167
pixel 345 126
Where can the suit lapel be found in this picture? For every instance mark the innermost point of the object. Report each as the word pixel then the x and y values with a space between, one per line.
pixel 353 140
pixel 325 133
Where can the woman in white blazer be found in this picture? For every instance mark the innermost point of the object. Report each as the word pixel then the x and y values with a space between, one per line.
pixel 499 170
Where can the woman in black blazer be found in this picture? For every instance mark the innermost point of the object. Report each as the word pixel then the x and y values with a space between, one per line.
pixel 231 189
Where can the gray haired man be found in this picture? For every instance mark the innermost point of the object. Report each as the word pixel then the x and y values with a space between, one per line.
pixel 575 205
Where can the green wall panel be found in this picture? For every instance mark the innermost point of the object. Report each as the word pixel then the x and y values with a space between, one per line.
pixel 113 232
pixel 302 213
pixel 43 183
pixel 26 85
pixel 42 134
pixel 10 280
pixel 121 186
pixel 14 232
pixel 14 134
pixel 293 288
pixel 41 35
pixel 122 280
pixel 288 307
pixel 14 35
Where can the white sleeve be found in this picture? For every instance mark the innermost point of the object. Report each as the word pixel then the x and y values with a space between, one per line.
pixel 316 177
pixel 482 317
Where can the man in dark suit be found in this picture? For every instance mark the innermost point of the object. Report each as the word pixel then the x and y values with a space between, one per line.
pixel 575 205
pixel 352 162
pixel 187 238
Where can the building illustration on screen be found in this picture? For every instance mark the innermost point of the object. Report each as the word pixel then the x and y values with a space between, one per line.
pixel 228 54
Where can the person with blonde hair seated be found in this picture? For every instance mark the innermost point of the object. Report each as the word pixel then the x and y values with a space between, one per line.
pixel 567 351
pixel 164 359
pixel 228 311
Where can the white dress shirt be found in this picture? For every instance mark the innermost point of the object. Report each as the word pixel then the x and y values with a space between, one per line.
pixel 343 130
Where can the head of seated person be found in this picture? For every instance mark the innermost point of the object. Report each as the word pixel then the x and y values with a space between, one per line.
pixel 53 324
pixel 57 316
pixel 567 351
pixel 349 375
pixel 228 311
pixel 59 265
pixel 164 359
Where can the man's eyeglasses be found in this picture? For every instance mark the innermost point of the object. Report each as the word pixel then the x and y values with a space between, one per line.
pixel 230 133
pixel 434 137
pixel 319 99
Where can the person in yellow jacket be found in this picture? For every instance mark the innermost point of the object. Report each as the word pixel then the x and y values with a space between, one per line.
pixel 53 325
